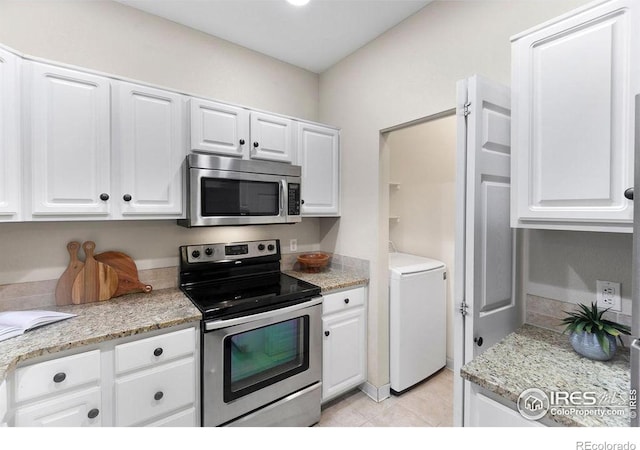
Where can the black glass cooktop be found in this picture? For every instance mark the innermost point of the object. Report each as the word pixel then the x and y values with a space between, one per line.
pixel 248 294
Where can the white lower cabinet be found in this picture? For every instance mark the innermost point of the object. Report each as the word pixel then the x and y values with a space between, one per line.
pixel 78 409
pixel 344 342
pixel 155 392
pixel 150 379
pixel 57 375
pixel 486 412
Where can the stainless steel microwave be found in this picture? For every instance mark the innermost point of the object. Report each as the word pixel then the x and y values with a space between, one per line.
pixel 229 191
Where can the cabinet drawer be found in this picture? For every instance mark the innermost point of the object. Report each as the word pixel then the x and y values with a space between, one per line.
pixel 154 392
pixel 182 419
pixel 57 375
pixel 154 350
pixel 79 409
pixel 339 301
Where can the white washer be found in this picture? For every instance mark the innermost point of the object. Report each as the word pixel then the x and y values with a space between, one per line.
pixel 417 319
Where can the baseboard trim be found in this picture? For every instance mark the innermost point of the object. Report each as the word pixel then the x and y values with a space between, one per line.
pixel 377 394
pixel 449 364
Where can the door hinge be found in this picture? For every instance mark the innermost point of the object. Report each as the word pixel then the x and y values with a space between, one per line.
pixel 444 275
pixel 462 309
pixel 466 109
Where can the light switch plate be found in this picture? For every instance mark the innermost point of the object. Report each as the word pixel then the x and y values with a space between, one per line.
pixel 608 295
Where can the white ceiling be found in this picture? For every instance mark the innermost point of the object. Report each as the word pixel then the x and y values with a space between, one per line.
pixel 313 37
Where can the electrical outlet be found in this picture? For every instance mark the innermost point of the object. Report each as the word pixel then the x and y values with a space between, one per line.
pixel 608 295
pixel 293 245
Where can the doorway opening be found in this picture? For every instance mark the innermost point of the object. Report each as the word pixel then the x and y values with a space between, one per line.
pixel 420 160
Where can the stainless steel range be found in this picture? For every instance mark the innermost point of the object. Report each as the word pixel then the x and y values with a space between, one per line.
pixel 261 335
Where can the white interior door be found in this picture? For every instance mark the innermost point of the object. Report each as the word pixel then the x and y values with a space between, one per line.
pixel 485 242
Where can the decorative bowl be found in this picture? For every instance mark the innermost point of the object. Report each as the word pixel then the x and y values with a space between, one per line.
pixel 314 261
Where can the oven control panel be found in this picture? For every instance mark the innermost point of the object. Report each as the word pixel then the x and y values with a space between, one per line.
pixel 207 253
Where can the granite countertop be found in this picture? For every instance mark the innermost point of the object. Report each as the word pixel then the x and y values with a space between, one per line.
pixel 533 357
pixel 331 279
pixel 97 322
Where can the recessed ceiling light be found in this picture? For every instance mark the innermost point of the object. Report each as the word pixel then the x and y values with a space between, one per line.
pixel 298 2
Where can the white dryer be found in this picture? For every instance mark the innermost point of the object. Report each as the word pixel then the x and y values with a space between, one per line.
pixel 417 319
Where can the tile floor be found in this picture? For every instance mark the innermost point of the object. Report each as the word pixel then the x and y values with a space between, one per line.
pixel 430 404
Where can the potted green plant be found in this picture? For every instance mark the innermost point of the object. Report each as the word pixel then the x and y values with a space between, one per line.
pixel 591 335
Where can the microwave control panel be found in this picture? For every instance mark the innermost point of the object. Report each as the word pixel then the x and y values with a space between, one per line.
pixel 294 199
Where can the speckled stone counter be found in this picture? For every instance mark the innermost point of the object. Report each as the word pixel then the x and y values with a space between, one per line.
pixel 97 322
pixel 533 357
pixel 332 279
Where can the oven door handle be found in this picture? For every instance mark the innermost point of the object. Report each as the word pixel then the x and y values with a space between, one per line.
pixel 218 324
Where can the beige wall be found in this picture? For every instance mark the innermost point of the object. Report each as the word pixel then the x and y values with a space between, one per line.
pixel 422 158
pixel 114 38
pixel 407 73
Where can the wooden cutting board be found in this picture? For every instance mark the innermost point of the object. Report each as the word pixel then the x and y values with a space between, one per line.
pixel 66 280
pixel 125 267
pixel 96 281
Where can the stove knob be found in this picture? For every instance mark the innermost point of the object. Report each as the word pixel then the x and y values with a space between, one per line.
pixel 196 254
pixel 261 247
pixel 208 251
pixel 271 247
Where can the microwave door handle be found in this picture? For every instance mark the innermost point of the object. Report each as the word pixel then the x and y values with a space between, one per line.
pixel 283 189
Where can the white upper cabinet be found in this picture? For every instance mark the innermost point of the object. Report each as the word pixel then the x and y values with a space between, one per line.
pixel 149 147
pixel 69 141
pixel 10 167
pixel 219 128
pixel 228 130
pixel 271 137
pixel 319 156
pixel 76 145
pixel 573 85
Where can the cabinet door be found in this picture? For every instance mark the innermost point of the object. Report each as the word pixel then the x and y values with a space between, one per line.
pixel 271 137
pixel 155 392
pixel 319 156
pixel 79 409
pixel 344 352
pixel 486 412
pixel 219 128
pixel 149 150
pixel 10 167
pixel 573 120
pixel 69 138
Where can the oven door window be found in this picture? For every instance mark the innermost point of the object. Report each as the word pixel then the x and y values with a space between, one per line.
pixel 263 356
pixel 227 197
